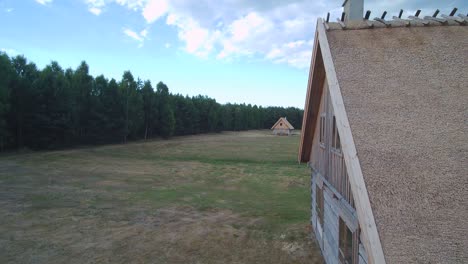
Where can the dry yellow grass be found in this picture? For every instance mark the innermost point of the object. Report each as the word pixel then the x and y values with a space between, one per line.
pixel 220 198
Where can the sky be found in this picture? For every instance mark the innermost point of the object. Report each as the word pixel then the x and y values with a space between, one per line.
pixel 238 51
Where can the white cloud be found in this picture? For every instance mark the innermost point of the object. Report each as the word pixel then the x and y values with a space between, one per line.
pixel 295 53
pixel 275 53
pixel 9 10
pixel 246 36
pixel 139 37
pixel 198 40
pixel 280 31
pixel 295 44
pixel 134 35
pixel 95 6
pixel 44 2
pixel 167 45
pixel 144 33
pixel 134 5
pixel 96 3
pixel 230 29
pixel 154 9
pixel 95 10
pixel 248 26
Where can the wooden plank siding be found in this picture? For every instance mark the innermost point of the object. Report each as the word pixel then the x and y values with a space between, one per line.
pixel 366 217
pixel 330 174
pixel 331 154
pixel 327 161
pixel 335 207
pixel 331 227
pixel 282 131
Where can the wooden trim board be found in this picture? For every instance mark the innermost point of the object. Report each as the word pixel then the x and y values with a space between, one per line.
pixel 363 208
pixel 312 102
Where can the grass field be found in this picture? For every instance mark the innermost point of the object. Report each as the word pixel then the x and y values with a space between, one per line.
pixel 220 198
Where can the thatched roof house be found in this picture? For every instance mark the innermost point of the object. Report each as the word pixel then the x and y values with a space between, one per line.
pixel 282 127
pixel 385 132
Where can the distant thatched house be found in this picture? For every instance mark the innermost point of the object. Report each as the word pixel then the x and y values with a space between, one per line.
pixel 385 134
pixel 282 127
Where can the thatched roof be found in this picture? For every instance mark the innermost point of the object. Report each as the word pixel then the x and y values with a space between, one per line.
pixel 405 91
pixel 282 123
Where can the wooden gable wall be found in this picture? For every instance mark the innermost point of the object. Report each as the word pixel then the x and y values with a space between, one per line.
pixel 322 72
pixel 328 171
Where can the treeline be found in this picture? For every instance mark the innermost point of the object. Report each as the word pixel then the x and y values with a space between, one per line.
pixel 54 108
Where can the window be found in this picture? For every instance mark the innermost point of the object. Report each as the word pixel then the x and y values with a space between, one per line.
pixel 322 129
pixel 281 124
pixel 347 246
pixel 336 143
pixel 319 203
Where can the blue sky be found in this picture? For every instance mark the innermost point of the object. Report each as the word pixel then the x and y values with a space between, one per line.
pixel 238 51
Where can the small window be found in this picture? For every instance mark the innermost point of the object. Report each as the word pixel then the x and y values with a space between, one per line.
pixel 319 204
pixel 346 244
pixel 322 129
pixel 281 124
pixel 336 143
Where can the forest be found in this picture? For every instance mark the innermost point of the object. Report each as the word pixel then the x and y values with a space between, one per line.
pixel 56 108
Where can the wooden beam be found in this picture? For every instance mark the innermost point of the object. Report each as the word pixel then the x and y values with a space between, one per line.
pixel 463 17
pixel 383 15
pixel 455 19
pixel 415 18
pixel 356 179
pixel 383 21
pixel 312 102
pixel 407 22
pixel 369 23
pixel 366 17
pixel 346 211
pixel 453 11
pixel 400 14
pixel 342 24
pixel 440 20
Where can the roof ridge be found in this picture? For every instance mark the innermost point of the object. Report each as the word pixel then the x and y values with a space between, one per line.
pixel 397 21
pixel 390 24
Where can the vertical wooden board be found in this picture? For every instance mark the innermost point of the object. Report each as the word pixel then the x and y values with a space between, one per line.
pixel 362 260
pixel 328 248
pixel 366 218
pixel 314 202
pixel 330 228
pixel 317 158
pixel 335 235
pixel 362 254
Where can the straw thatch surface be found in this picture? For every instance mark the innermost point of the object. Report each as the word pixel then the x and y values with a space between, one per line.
pixel 406 95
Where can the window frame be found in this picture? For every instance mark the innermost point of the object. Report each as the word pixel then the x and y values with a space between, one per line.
pixel 322 132
pixel 319 204
pixel 336 141
pixel 353 239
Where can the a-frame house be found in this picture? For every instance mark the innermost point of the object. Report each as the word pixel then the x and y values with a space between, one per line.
pixel 282 127
pixel 385 135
